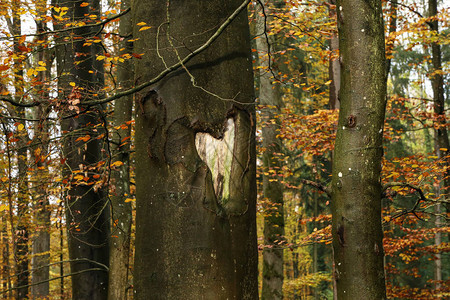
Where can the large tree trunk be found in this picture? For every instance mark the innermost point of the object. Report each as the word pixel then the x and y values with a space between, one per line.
pixel 87 213
pixel 121 207
pixel 441 140
pixel 270 99
pixel 191 244
pixel 356 187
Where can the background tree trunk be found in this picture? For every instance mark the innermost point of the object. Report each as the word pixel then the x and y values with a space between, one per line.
pixel 334 67
pixel 441 140
pixel 270 100
pixel 190 244
pixel 87 213
pixel 41 238
pixel 356 187
pixel 121 208
pixel 21 229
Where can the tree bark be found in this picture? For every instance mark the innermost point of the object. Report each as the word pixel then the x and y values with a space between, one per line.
pixel 334 67
pixel 270 100
pixel 190 244
pixel 87 213
pixel 21 241
pixel 41 239
pixel 441 140
pixel 356 186
pixel 121 208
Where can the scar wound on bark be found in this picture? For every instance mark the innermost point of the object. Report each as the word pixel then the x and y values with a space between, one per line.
pixel 340 233
pixel 351 121
pixel 218 155
pixel 154 112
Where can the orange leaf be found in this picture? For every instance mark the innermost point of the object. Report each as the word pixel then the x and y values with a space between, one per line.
pixel 83 138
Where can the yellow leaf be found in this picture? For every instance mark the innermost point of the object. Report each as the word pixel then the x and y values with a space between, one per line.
pixel 129 200
pixel 144 28
pixel 78 177
pixel 117 164
pixel 141 24
pixel 40 69
pixel 30 72
pixel 72 84
pixel 84 4
pixel 3 207
pixel 4 179
pixel 442 149
pixel 100 57
pixel 20 127
pixel 41 63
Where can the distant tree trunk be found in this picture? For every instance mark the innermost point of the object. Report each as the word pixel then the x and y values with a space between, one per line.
pixel 87 212
pixel 270 100
pixel 442 146
pixel 9 218
pixel 121 208
pixel 41 239
pixel 6 279
pixel 21 249
pixel 390 40
pixel 356 187
pixel 61 250
pixel 334 66
pixel 190 244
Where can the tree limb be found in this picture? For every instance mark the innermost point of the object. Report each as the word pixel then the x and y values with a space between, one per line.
pixel 160 76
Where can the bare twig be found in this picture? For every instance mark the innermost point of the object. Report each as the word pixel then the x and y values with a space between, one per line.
pixel 318 186
pixel 413 210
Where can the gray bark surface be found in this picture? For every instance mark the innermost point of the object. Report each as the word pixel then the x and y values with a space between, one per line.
pixel 190 244
pixel 121 209
pixel 270 100
pixel 356 187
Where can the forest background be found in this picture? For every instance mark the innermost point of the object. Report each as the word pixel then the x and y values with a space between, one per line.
pixel 49 132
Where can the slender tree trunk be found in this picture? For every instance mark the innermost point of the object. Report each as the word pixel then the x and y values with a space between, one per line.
pixel 356 186
pixel 87 212
pixel 121 207
pixel 6 264
pixel 334 67
pixel 22 251
pixel 61 250
pixel 270 99
pixel 442 146
pixel 390 39
pixel 10 214
pixel 190 244
pixel 41 239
